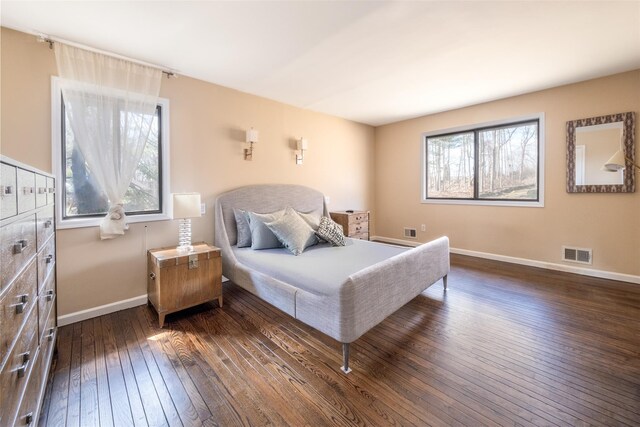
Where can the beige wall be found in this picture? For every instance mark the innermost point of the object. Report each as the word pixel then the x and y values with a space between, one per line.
pixel 207 130
pixel 207 127
pixel 608 223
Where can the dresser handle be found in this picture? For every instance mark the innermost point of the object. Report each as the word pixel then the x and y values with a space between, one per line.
pixel 49 295
pixel 51 190
pixel 28 419
pixel 48 223
pixel 152 276
pixel 19 246
pixel 28 190
pixel 8 189
pixel 42 190
pixel 51 334
pixel 22 369
pixel 48 259
pixel 24 300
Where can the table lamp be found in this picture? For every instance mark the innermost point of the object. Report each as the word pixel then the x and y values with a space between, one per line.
pixel 185 207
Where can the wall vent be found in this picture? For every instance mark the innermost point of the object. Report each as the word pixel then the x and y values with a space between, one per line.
pixel 410 233
pixel 571 254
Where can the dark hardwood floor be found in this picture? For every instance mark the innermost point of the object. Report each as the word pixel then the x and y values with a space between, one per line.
pixel 505 345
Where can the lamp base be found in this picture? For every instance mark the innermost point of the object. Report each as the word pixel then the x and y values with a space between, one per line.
pixel 184 235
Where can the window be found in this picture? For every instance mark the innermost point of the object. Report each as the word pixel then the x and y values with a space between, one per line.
pixel 495 164
pixel 80 201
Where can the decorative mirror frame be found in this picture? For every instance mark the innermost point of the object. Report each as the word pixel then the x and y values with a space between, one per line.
pixel 628 136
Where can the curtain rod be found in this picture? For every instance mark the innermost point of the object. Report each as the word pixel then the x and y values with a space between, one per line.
pixel 51 40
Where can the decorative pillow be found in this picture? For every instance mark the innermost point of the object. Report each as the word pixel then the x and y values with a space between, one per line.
pixel 294 233
pixel 331 232
pixel 311 218
pixel 242 225
pixel 261 236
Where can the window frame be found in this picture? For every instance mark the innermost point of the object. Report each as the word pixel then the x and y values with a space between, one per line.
pixel 475 128
pixel 63 222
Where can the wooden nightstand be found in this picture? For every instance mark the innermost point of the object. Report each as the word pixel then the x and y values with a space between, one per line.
pixel 355 224
pixel 180 280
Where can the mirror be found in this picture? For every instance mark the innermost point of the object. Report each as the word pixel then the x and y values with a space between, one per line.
pixel 590 144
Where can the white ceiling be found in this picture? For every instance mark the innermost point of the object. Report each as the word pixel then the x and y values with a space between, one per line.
pixel 372 62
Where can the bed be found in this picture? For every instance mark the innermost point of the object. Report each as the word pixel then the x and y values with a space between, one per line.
pixel 341 291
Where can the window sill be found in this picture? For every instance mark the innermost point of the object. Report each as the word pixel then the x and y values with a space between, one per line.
pixel 531 204
pixel 95 222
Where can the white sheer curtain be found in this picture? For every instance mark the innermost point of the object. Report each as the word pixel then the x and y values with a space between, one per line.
pixel 111 104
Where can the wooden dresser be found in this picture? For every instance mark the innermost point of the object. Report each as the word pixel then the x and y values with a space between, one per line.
pixel 354 224
pixel 27 290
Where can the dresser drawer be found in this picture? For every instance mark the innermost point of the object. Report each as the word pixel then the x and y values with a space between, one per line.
pixel 29 405
pixel 17 247
pixel 46 260
pixel 47 345
pixel 44 225
pixel 47 340
pixel 26 190
pixel 46 300
pixel 13 378
pixel 15 305
pixel 41 190
pixel 8 191
pixel 51 190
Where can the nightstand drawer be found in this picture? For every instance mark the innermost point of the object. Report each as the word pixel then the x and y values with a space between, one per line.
pixel 358 228
pixel 361 236
pixel 359 217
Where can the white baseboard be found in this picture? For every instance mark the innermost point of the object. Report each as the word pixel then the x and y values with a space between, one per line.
pixel 90 313
pixel 529 262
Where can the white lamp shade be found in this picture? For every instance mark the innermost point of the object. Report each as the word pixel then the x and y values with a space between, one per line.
pixel 303 144
pixel 186 205
pixel 252 135
pixel 616 162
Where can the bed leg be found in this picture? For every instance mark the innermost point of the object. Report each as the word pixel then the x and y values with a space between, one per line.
pixel 345 358
pixel 444 282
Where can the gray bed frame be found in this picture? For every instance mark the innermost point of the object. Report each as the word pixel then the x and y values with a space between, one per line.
pixel 365 299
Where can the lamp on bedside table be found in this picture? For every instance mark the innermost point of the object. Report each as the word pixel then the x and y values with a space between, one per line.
pixel 185 207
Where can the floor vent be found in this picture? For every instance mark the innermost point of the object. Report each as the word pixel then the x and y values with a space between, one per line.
pixel 410 233
pixel 583 256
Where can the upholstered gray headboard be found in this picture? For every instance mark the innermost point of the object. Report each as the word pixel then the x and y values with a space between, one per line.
pixel 262 199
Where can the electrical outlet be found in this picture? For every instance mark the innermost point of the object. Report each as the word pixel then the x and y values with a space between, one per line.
pixel 423 227
pixel 203 208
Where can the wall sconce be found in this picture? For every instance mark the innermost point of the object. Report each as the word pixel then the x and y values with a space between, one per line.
pixel 185 207
pixel 252 138
pixel 302 144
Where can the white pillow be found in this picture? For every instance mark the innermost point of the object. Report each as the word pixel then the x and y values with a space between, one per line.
pixel 293 231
